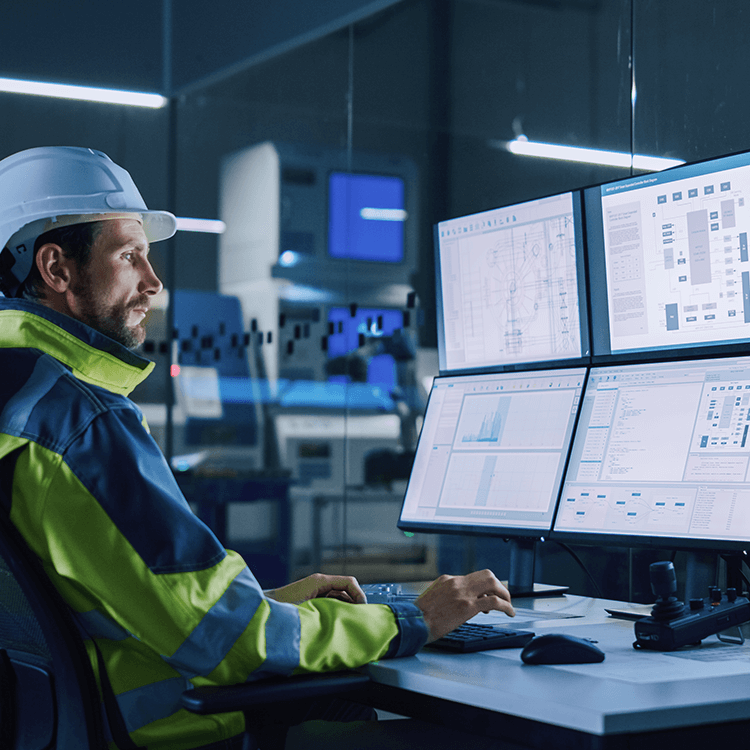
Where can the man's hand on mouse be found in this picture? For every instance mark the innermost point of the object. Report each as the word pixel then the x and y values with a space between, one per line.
pixel 452 600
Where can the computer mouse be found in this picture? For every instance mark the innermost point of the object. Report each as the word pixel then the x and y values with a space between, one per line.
pixel 559 648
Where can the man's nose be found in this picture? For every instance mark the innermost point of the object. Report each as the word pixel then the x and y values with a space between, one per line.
pixel 150 282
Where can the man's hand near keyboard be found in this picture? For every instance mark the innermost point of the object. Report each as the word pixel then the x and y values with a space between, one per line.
pixel 452 600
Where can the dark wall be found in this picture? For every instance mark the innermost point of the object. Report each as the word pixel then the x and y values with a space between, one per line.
pixel 693 95
pixel 213 39
pixel 117 45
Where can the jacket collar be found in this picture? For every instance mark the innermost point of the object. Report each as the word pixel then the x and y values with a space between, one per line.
pixel 92 357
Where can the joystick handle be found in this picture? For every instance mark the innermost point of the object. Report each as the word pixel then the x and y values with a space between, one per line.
pixel 663 579
pixel 664 585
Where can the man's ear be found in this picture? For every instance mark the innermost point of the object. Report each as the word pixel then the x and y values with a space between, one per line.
pixel 54 267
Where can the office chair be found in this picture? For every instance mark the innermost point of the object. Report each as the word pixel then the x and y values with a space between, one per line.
pixel 48 694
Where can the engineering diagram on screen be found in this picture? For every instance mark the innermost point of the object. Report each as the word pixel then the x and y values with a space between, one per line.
pixel 518 297
pixel 678 264
pixel 723 420
pixel 526 289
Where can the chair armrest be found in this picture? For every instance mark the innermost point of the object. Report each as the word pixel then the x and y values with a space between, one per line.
pixel 277 690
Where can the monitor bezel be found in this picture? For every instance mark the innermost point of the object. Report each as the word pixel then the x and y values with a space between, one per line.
pixel 638 541
pixel 505 532
pixel 601 345
pixel 582 283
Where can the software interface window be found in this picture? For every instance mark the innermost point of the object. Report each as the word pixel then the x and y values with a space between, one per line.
pixel 662 450
pixel 677 262
pixel 509 285
pixel 492 450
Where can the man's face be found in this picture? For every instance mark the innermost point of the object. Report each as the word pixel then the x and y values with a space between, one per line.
pixel 112 293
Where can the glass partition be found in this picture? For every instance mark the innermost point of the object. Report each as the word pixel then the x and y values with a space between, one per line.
pixel 305 334
pixel 690 82
pixel 450 86
pixel 259 422
pixel 303 339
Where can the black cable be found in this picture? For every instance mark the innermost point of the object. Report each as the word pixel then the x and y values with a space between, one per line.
pixel 583 568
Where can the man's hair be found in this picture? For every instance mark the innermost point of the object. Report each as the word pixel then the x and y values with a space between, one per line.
pixel 76 242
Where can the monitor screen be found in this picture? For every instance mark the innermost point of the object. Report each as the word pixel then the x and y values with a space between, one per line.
pixel 366 215
pixel 669 260
pixel 492 452
pixel 661 452
pixel 510 287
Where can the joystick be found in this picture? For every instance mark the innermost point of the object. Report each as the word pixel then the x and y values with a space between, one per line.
pixel 664 585
pixel 671 624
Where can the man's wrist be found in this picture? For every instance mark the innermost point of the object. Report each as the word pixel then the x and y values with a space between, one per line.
pixel 412 629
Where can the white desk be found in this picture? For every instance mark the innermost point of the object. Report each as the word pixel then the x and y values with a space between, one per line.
pixel 631 694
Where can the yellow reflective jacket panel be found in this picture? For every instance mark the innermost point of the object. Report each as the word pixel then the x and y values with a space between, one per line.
pixel 169 607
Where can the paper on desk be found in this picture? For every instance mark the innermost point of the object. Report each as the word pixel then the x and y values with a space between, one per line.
pixel 525 619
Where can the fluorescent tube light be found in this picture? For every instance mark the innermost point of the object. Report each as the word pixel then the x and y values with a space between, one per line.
pixel 524 147
pixel 82 93
pixel 211 226
pixel 654 163
pixel 383 214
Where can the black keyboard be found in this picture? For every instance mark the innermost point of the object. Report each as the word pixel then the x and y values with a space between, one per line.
pixel 473 636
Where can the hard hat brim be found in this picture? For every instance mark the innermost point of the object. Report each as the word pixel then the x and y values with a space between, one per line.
pixel 158 225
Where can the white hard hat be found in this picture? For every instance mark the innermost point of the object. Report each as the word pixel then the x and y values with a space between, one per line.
pixel 39 186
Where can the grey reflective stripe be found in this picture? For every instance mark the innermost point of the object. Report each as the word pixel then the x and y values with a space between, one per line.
pixel 158 700
pixel 209 643
pixel 47 371
pixel 98 625
pixel 283 633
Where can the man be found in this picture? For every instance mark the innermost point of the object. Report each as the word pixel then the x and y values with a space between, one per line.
pixel 92 495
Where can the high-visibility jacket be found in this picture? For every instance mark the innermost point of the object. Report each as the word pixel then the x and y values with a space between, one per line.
pixel 168 606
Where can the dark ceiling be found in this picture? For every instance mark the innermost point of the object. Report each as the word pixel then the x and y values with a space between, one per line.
pixel 169 47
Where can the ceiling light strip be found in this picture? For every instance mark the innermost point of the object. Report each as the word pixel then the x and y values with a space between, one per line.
pixel 83 93
pixel 210 226
pixel 587 155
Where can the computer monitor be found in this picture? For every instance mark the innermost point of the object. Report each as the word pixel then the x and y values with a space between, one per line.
pixel 511 287
pixel 661 457
pixel 321 218
pixel 366 215
pixel 491 457
pixel 669 261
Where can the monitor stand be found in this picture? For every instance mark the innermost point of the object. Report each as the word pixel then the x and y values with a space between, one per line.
pixel 521 576
pixel 700 574
pixel 733 563
pixel 703 570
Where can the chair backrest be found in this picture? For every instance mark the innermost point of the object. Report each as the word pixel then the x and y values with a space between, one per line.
pixel 48 693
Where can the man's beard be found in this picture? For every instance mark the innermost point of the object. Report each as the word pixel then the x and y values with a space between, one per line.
pixel 111 320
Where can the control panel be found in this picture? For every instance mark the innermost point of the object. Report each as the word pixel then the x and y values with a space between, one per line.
pixel 673 624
